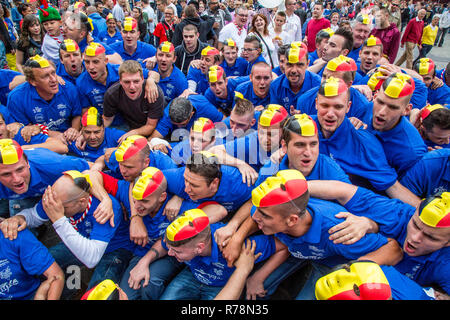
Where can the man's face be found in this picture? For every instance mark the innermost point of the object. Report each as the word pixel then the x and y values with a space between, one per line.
pixel 132 167
pixel 196 186
pixel 190 39
pixel 369 57
pixel 421 14
pixel 361 32
pixel 3 129
pixel 428 78
pixel 320 46
pixel 239 124
pixel 279 20
pixel 72 30
pixel 333 47
pixel 130 38
pixel 213 5
pixel 422 239
pixel 282 63
pixel 219 88
pixel 96 66
pixel 295 72
pixel 331 111
pixel 111 24
pixel 395 6
pixel 93 135
pixel 16 177
pixel 435 21
pixel 132 84
pixel 261 77
pixel 52 27
pixel 302 152
pixel 269 220
pixel 168 15
pixel 199 141
pixel 185 252
pixel 160 6
pixel 290 5
pixel 230 54
pixel 437 135
pixel 250 51
pixel 45 80
pixel 380 18
pixel 387 111
pixel 241 18
pixel 270 137
pixel 72 61
pixel 109 4
pixel 148 205
pixel 206 62
pixel 317 12
pixel 165 60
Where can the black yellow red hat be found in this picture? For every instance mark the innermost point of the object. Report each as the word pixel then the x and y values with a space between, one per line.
pixel 429 109
pixel 374 82
pixel 296 53
pixel 435 211
pixel 358 280
pixel 188 225
pixel 81 180
pixel 284 187
pixel 424 66
pixel 202 125
pixel 398 85
pixel 238 95
pixel 110 16
pixel 37 62
pixel 92 118
pixel 342 63
pixel 272 114
pixel 363 18
pixel 167 47
pixel 10 151
pixel 229 43
pixel 215 73
pixel 148 181
pixel 105 290
pixel 129 24
pixel 332 87
pixel 94 49
pixel 210 51
pixel 372 41
pixel 69 45
pixel 130 146
pixel 301 124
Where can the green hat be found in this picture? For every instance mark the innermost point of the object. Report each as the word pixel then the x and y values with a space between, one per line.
pixel 47 13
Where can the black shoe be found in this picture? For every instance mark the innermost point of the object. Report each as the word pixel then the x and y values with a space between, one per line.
pixel 440 45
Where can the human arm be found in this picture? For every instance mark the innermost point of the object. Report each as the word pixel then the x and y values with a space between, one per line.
pixel 104 210
pixel 389 254
pixel 51 143
pixel 51 288
pixel 398 191
pixel 146 130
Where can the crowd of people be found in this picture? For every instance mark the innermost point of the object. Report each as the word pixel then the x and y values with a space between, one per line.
pixel 214 150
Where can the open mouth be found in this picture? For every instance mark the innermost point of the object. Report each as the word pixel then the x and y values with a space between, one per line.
pixel 409 248
pixel 306 162
pixel 19 187
pixel 379 121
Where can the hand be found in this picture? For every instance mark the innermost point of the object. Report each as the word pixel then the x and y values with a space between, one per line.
pixel 80 143
pixel 231 251
pixel 138 232
pixel 42 291
pixel 436 83
pixel 293 111
pixel 61 81
pixel 196 63
pixel 259 108
pixel 30 131
pixel 150 63
pixel 11 226
pixel 172 208
pixel 365 90
pixel 255 288
pixel 441 296
pixel 349 231
pixel 357 123
pixel 186 93
pixel 434 148
pixel 52 205
pixel 104 212
pixel 162 147
pixel 137 274
pixel 71 134
pixel 277 156
pixel 223 235
pixel 122 294
pixel 249 175
pixel 247 257
pixel 108 153
pixel 126 135
pixel 151 91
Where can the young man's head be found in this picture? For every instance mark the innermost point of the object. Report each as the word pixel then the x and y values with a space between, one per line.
pixel 280 202
pixel 72 189
pixel 392 101
pixel 382 18
pixel 229 51
pixel 149 191
pixel 218 81
pixel 322 38
pixel 296 64
pixel 361 30
pixel 340 43
pixel 190 37
pixel 70 57
pixel 341 67
pixel 428 229
pixel 133 157
pixel 50 19
pixel 317 10
pixel 427 69
pixel 435 124
pixel 300 142
pixel 130 32
pixel 41 74
pixel 370 53
pixel 111 23
pixel 95 61
pixel 252 48
pixel 77 26
pixel 181 111
pixel 189 235
pixel 241 16
pixel 131 79
pixel 202 135
pixel 14 168
pixel 332 105
pixel 261 77
pixel 270 126
pixel 202 175
pixel 242 117
pixel 210 56
pixel 92 128
pixel 165 56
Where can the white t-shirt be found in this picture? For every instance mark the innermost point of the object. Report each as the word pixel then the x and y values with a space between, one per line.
pixel 269 48
pixel 151 15
pixel 293 26
pixel 231 31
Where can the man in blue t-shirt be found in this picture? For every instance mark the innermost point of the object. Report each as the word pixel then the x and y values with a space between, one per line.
pixel 221 89
pixel 70 64
pixel 434 126
pixel 197 77
pixel 257 89
pixel 427 69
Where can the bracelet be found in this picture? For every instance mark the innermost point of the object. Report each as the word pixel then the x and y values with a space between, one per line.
pixel 156 253
pixel 133 216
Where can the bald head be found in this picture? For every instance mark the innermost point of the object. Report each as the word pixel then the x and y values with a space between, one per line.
pixel 66 189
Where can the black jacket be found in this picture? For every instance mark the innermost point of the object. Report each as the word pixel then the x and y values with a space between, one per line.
pixel 205 29
pixel 184 58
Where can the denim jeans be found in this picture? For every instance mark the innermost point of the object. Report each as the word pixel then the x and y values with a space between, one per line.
pixel 161 272
pixel 309 288
pixel 186 287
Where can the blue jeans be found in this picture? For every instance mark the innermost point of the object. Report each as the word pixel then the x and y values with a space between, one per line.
pixel 186 287
pixel 309 288
pixel 161 272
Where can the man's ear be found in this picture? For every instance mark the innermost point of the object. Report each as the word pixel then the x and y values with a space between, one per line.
pixel 292 220
pixel 408 109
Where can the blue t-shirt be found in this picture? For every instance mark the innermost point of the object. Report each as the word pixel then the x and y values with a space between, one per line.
pixel 143 51
pixel 45 168
pixel 250 65
pixel 23 260
pixel 354 54
pixel 89 153
pixel 315 243
pixel 403 288
pixel 281 93
pixel 104 36
pixel 26 106
pixel 196 75
pixel 403 145
pixel 61 71
pixel 439 95
pixel 228 102
pixel 181 151
pixel 246 89
pixel 359 154
pixel 238 69
pixel 173 85
pixel 202 107
pixel 360 108
pixel 429 175
pixel 37 139
pixel 324 169
pixel 231 193
pixel 312 56
pixel 213 270
pixel 6 76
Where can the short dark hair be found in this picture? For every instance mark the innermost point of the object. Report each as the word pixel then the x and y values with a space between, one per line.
pixel 180 109
pixel 282 50
pixel 348 44
pixel 207 167
pixel 253 38
pixel 439 118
